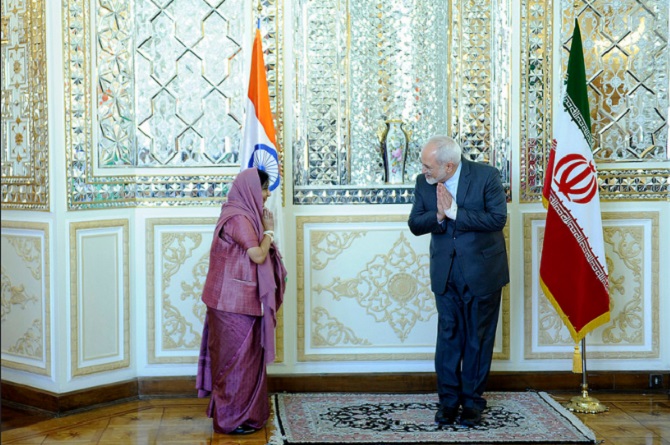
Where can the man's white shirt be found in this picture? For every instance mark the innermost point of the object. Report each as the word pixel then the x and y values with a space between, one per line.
pixel 452 185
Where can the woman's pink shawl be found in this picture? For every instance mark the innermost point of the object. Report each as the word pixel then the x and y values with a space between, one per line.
pixel 245 198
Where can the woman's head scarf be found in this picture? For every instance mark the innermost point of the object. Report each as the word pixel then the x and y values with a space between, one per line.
pixel 245 198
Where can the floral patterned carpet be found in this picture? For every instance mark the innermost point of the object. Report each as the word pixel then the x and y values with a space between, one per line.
pixel 354 418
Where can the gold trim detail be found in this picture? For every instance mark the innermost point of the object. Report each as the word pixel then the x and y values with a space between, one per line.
pixel 25 174
pixel 328 245
pixel 399 299
pixel 178 334
pixel 86 189
pixel 13 295
pixel 34 342
pixel 75 312
pixel 626 261
pixel 329 331
pixel 338 332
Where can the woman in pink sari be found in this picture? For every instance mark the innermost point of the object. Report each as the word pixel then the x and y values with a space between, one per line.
pixel 243 290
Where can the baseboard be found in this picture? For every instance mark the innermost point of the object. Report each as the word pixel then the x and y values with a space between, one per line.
pixel 71 401
pixel 154 387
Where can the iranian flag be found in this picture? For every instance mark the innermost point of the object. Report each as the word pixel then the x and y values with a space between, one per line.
pixel 573 272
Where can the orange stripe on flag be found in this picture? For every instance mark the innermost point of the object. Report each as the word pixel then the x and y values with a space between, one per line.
pixel 258 89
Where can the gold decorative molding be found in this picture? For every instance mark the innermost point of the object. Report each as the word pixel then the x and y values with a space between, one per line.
pixel 301 221
pixel 29 251
pixel 177 333
pixel 79 369
pixel 394 288
pixel 30 343
pixel 33 348
pixel 25 145
pixel 13 295
pixel 504 319
pixel 169 264
pixel 627 238
pixel 327 246
pixel 329 331
pixel 399 288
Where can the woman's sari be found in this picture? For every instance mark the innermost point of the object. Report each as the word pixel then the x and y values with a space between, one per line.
pixel 232 370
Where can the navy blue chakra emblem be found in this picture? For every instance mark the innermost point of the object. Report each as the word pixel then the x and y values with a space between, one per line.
pixel 265 158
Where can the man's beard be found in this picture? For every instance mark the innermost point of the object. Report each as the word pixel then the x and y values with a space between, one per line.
pixel 431 181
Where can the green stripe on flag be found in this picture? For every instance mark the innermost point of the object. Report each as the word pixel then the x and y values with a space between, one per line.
pixel 576 100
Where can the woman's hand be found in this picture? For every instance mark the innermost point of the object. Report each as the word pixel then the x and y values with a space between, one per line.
pixel 258 254
pixel 268 220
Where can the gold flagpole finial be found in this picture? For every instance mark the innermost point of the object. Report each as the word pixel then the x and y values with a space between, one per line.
pixel 260 7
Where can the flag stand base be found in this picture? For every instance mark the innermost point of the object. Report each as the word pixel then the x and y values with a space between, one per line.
pixel 585 403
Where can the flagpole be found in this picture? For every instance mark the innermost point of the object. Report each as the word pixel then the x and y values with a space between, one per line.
pixel 260 10
pixel 585 403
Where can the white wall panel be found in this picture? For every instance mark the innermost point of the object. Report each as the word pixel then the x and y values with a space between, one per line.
pixel 631 250
pixel 364 293
pixel 177 264
pixel 26 311
pixel 99 298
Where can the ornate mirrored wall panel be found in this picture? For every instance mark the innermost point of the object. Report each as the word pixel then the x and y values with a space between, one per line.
pixel 24 149
pixel 26 307
pixel 632 254
pixel 344 284
pixel 156 95
pixel 628 70
pixel 375 80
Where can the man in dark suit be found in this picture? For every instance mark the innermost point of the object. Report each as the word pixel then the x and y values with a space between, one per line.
pixel 463 205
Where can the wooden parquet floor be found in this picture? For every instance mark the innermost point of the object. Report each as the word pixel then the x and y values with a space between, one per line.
pixel 632 419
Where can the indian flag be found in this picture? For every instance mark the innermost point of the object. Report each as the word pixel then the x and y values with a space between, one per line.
pixel 573 271
pixel 259 144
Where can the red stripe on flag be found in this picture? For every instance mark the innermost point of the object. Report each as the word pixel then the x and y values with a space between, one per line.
pixel 258 89
pixel 569 281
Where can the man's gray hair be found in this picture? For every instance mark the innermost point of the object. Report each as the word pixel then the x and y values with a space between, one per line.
pixel 446 149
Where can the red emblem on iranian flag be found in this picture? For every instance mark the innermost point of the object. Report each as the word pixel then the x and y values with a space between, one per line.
pixel 575 177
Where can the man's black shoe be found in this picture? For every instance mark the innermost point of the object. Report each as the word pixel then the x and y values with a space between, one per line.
pixel 471 417
pixel 446 416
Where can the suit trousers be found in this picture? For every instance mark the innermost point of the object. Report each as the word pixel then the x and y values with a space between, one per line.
pixel 465 338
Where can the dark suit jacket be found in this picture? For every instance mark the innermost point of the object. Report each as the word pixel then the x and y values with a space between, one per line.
pixel 475 236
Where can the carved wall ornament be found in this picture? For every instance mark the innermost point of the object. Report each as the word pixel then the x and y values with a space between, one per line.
pixel 400 299
pixel 329 331
pixel 25 297
pixel 177 331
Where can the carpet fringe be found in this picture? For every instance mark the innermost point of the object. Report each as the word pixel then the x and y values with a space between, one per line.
pixel 277 438
pixel 568 415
